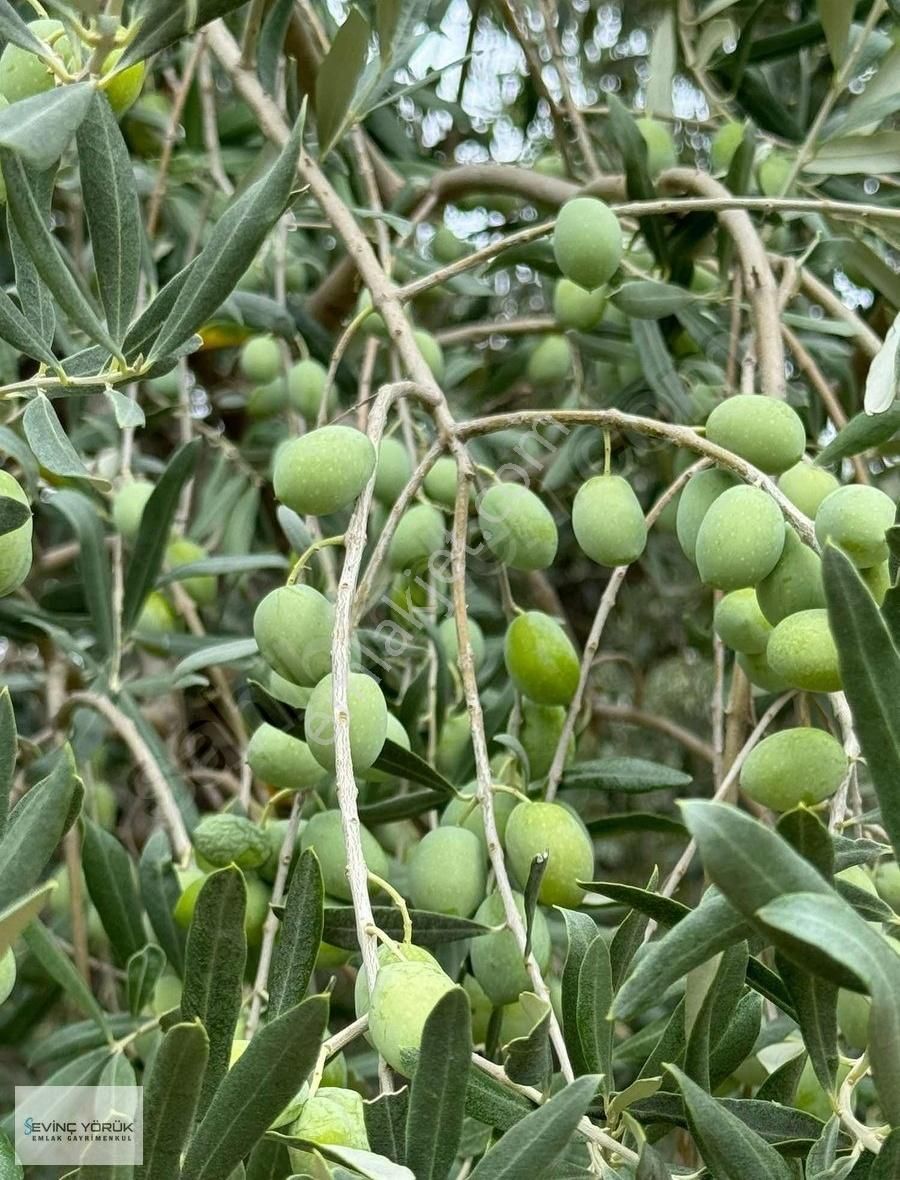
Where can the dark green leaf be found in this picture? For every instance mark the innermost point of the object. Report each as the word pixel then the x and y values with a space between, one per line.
pixel 736 1043
pixel 781 1084
pixel 527 1059
pixel 530 1149
pixel 595 993
pixel 142 973
pixel 631 775
pixel 112 211
pixel 532 890
pixel 887 1162
pixel 649 299
pixel 16 31
pixel 38 129
pixel 153 534
pixel 438 1090
pixel 172 1094
pixel 651 1165
pixel 401 806
pixel 93 561
pixel 256 1089
pixel 10 1168
pixel 159 893
pixel 166 21
pixel 402 763
pixel 9 748
pixel 239 563
pixel 31 222
pixel 664 910
pixel 229 250
pixel 20 332
pixel 214 968
pixel 49 442
pixel 268 1161
pixel 659 369
pixel 13 514
pixel 730 1149
pixel 16 916
pixel 711 995
pixel 635 821
pixel 271 44
pixel 386 1121
pixel 870 669
pixel 299 937
pixel 337 78
pixel 428 929
pixel 111 884
pixel 493 1103
pixel 581 931
pixel 639 186
pixel 36 825
pixel 61 970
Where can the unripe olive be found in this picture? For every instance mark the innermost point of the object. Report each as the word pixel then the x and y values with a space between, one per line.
pixel 226 839
pixel 440 482
pixel 587 242
pixel 403 998
pixel 100 804
pixel 323 471
pixel 450 643
pixel 260 359
pixel 463 812
pixel 699 493
pixel 282 761
pixel 576 308
pixel 258 895
pixel 293 626
pixel 756 669
pixel 795 583
pixel 373 324
pixel 856 518
pixel 878 580
pixel 551 164
pixel 802 651
pixel 725 143
pixel 517 527
pixel 480 1009
pixel 550 362
pixel 496 959
pixel 420 532
pixel 853 1012
pixel 275 831
pixel 806 486
pixel 306 382
pixel 548 827
pixel 809 1095
pixel 887 883
pixel 24 74
pixel 763 430
pixel 157 615
pixel 447 872
pixel 432 352
pixel 368 721
pixel 128 506
pixel 608 522
pixel 332 1117
pixel 7 974
pixel 15 546
pixel 661 151
pixel 540 659
pixel 740 539
pixel 794 766
pixel 454 741
pixel 740 624
pixel 542 726
pixel 405 952
pixel 446 246
pixel 392 471
pixel 772 174
pixel 181 551
pixel 265 401
pixel 124 89
pixel 325 834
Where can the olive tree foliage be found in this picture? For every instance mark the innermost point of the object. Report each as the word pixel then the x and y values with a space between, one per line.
pixel 449 721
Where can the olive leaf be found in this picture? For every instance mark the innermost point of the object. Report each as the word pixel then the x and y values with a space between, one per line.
pixel 163 22
pixel 113 889
pixel 172 1094
pixel 300 936
pixel 39 129
pixel 338 75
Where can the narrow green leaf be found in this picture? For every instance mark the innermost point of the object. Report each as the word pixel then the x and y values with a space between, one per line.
pixel 338 76
pixel 9 748
pixel 595 1029
pixel 659 369
pixel 61 970
pixel 816 920
pixel 271 42
pixel 231 247
pixel 386 1121
pixel 163 22
pixel 268 1161
pixel 438 1091
pixel 14 29
pixel 93 561
pixel 237 563
pixel 631 144
pixel 214 968
pixel 142 972
pixel 299 937
pixel 256 1089
pixel 153 534
pixel 159 893
pixel 127 410
pixel 862 432
pixel 581 930
pixel 50 443
pixel 530 1149
pixel 492 1103
pixel 836 17
pixel 13 514
pixel 19 331
pixel 112 211
pixel 870 670
pixel 649 299
pixel 31 223
pixel 730 1149
pixel 36 825
pixel 709 1007
pixel 527 1059
pixel 38 129
pixel 215 654
pixel 532 891
pixel 854 154
pixel 651 1165
pixel 428 929
pixel 16 916
pixel 815 1003
pixel 887 1162
pixel 662 64
pixel 172 1094
pixel 628 938
pixel 736 1043
pixel 10 1168
pixel 630 775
